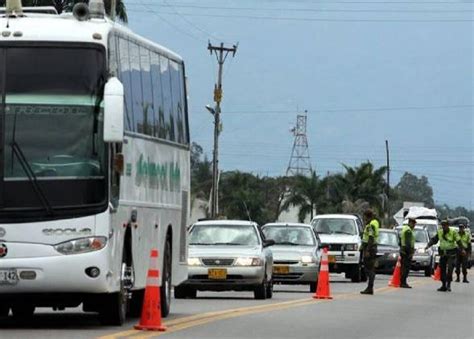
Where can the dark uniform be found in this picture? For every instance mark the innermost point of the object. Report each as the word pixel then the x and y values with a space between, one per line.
pixel 369 250
pixel 449 242
pixel 407 249
pixel 461 260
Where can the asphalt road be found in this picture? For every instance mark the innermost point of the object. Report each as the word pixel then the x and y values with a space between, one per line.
pixel 421 312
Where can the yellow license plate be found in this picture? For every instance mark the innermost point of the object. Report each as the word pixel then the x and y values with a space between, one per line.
pixel 281 269
pixel 217 273
pixel 331 258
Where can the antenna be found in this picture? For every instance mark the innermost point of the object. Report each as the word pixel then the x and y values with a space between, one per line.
pixel 299 162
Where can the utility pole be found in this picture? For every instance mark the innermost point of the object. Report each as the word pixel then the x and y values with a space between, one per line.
pixel 299 162
pixel 221 53
pixel 113 12
pixel 388 181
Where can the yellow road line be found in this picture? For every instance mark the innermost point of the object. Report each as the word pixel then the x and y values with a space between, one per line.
pixel 204 318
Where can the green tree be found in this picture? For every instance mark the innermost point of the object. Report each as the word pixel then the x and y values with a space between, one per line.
pixel 360 187
pixel 201 173
pixel 242 197
pixel 305 193
pixel 412 188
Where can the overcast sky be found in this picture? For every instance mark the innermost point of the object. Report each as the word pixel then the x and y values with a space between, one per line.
pixel 365 71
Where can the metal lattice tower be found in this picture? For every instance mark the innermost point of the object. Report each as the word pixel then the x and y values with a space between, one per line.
pixel 299 162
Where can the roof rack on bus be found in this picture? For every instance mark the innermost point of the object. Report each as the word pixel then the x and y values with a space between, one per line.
pixel 38 10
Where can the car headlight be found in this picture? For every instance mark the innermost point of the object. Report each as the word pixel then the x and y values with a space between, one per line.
pixel 82 245
pixel 307 259
pixel 248 261
pixel 421 251
pixel 393 255
pixel 194 262
pixel 352 247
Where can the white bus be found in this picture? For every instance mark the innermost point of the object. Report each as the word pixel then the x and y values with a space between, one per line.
pixel 94 165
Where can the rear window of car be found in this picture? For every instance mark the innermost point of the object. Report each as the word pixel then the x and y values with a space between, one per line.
pixel 388 238
pixel 232 235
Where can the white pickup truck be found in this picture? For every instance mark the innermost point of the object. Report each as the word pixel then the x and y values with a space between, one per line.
pixel 342 233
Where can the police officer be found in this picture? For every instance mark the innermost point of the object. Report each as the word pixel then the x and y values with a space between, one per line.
pixel 407 249
pixel 449 242
pixel 369 248
pixel 461 260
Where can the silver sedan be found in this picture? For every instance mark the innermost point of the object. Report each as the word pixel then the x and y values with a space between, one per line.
pixel 228 255
pixel 296 256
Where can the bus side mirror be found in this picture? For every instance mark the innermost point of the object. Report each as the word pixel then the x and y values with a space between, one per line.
pixel 113 111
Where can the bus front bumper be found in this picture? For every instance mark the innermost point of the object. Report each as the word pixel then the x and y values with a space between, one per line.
pixel 56 274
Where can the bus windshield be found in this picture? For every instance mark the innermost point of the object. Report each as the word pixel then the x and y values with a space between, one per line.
pixel 51 120
pixel 52 111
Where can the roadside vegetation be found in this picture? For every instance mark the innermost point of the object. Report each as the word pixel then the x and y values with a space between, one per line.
pixel 262 198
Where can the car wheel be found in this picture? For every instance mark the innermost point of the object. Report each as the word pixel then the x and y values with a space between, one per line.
pixel 4 310
pixel 356 274
pixel 270 289
pixel 260 291
pixel 22 311
pixel 428 272
pixel 165 288
pixel 313 287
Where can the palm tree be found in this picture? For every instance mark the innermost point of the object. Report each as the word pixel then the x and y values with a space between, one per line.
pixel 361 184
pixel 306 193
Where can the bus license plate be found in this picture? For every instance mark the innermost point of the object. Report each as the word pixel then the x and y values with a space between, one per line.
pixel 217 273
pixel 281 269
pixel 8 277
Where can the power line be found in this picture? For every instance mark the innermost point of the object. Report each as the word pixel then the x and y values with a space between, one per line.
pixel 372 109
pixel 148 9
pixel 302 19
pixel 208 35
pixel 306 10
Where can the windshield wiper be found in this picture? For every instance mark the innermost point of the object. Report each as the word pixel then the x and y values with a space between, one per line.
pixel 228 243
pixel 341 232
pixel 287 243
pixel 31 176
pixel 201 243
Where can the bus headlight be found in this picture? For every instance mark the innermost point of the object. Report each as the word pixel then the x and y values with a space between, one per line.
pixel 82 245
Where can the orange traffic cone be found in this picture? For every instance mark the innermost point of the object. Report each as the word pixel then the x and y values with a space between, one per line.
pixel 151 310
pixel 395 281
pixel 437 274
pixel 323 290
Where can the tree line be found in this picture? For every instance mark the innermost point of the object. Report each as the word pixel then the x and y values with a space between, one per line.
pixel 262 199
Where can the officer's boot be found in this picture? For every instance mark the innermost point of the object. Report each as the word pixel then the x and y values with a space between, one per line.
pixel 368 290
pixel 448 286
pixel 443 288
pixel 457 277
pixel 465 279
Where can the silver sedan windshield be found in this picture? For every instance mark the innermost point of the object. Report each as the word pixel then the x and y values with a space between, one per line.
pixel 223 235
pixel 284 235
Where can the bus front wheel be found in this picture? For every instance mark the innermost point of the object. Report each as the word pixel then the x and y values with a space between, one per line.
pixel 115 305
pixel 165 289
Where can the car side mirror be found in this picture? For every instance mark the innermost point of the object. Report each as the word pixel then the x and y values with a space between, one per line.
pixel 268 242
pixel 113 111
